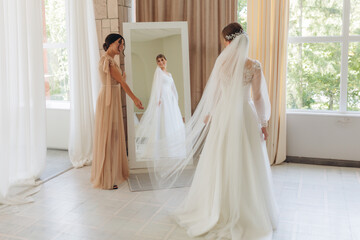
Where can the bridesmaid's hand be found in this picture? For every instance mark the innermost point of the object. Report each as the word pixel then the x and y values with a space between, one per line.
pixel 159 102
pixel 265 133
pixel 124 76
pixel 138 103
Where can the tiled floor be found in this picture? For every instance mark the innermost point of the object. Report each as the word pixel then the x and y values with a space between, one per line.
pixel 316 203
pixel 57 162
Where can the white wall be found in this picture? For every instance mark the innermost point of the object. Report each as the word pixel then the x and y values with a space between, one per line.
pixel 143 56
pixel 308 135
pixel 320 135
pixel 173 53
pixel 57 128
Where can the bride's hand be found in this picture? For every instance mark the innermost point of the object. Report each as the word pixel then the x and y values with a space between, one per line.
pixel 138 103
pixel 265 133
pixel 206 119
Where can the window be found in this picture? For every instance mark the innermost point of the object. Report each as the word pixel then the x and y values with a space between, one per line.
pixel 55 50
pixel 324 55
pixel 242 13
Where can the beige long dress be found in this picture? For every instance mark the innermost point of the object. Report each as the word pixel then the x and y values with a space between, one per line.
pixel 110 164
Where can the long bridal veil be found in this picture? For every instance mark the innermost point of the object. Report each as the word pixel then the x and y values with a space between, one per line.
pixel 161 120
pixel 148 122
pixel 224 90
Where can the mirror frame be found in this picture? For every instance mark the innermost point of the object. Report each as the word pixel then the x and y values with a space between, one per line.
pixel 127 27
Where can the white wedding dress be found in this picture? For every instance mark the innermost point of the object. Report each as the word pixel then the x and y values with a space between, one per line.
pixel 161 120
pixel 231 195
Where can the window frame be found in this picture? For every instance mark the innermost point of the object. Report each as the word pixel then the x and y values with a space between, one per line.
pixel 344 39
pixel 59 104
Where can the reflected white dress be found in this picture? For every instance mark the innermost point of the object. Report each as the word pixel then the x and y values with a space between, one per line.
pixel 161 120
pixel 231 196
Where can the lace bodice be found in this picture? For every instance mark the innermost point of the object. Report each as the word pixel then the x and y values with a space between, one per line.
pixel 250 70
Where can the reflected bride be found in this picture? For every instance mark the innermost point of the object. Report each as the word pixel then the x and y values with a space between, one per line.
pixel 162 118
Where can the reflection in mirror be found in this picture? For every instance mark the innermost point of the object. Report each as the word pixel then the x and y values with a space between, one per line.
pixel 161 120
pixel 162 84
pixel 143 59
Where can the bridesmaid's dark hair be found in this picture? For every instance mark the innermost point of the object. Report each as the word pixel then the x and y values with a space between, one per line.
pixel 112 37
pixel 232 28
pixel 160 56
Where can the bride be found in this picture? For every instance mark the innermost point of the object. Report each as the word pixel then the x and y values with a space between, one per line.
pixel 231 195
pixel 162 118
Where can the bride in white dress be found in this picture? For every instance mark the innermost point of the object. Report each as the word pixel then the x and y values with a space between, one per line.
pixel 231 195
pixel 162 118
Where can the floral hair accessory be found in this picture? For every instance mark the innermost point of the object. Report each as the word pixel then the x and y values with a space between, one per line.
pixel 233 35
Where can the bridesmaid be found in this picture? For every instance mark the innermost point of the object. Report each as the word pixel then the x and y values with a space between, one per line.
pixel 110 164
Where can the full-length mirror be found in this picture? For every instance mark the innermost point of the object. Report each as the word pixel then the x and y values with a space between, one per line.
pixel 156 63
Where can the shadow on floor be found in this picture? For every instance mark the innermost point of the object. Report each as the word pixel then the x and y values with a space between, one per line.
pixel 57 162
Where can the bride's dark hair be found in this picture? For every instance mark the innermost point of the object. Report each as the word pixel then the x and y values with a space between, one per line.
pixel 112 37
pixel 232 28
pixel 160 56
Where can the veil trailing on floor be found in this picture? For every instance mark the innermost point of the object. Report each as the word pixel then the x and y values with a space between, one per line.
pixel 225 83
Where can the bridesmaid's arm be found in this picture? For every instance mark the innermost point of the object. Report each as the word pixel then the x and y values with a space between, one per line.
pixel 121 78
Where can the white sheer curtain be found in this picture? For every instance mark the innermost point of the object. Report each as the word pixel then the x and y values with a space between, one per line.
pixel 22 99
pixel 84 78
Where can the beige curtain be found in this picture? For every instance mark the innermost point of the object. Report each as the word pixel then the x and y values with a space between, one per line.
pixel 205 21
pixel 268 33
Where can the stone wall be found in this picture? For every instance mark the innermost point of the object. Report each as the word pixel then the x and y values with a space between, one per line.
pixel 109 16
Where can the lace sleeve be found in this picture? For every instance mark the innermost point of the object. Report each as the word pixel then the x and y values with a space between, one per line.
pixel 260 95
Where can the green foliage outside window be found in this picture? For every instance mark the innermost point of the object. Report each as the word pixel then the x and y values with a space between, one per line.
pixel 313 73
pixel 313 76
pixel 242 13
pixel 56 62
pixel 314 69
pixel 353 101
